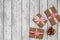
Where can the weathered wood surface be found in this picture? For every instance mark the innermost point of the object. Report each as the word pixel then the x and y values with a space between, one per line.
pixel 58 23
pixel 33 4
pixel 7 19
pixel 50 4
pixel 16 18
pixel 25 19
pixel 43 7
pixel 1 20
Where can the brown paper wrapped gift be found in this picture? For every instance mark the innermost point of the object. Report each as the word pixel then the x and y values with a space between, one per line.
pixel 36 33
pixel 39 20
pixel 52 15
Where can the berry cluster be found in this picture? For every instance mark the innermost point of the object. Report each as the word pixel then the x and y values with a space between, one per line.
pixel 51 31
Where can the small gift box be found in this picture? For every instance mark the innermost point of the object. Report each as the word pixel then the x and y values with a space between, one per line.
pixel 39 20
pixel 52 15
pixel 51 31
pixel 36 33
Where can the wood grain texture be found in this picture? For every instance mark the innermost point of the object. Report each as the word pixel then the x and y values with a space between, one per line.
pixel 25 20
pixel 50 4
pixel 1 20
pixel 32 5
pixel 34 9
pixel 43 7
pixel 59 23
pixel 16 20
pixel 7 19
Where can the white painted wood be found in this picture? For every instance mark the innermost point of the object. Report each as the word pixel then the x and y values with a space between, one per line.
pixel 34 4
pixel 7 19
pixel 16 20
pixel 36 11
pixel 59 23
pixel 1 21
pixel 25 20
pixel 43 7
pixel 50 4
pixel 32 13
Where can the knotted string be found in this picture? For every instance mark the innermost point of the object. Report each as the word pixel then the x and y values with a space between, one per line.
pixel 38 20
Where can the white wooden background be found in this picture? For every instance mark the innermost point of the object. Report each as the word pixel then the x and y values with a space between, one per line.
pixel 16 18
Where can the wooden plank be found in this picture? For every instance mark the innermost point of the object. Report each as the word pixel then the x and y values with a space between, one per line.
pixel 43 7
pixel 16 20
pixel 25 20
pixel 34 9
pixel 1 21
pixel 50 4
pixel 59 23
pixel 7 19
pixel 32 13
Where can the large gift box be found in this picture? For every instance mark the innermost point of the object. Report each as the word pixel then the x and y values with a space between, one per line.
pixel 39 20
pixel 52 15
pixel 36 33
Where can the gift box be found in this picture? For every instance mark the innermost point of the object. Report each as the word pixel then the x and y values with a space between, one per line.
pixel 39 20
pixel 36 33
pixel 50 31
pixel 52 15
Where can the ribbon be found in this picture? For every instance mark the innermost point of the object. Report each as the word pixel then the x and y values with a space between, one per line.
pixel 36 33
pixel 53 15
pixel 37 20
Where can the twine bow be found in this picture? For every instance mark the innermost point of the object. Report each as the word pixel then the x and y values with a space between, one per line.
pixel 37 20
pixel 36 33
pixel 53 15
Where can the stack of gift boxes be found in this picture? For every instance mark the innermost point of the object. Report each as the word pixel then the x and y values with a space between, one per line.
pixel 52 16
